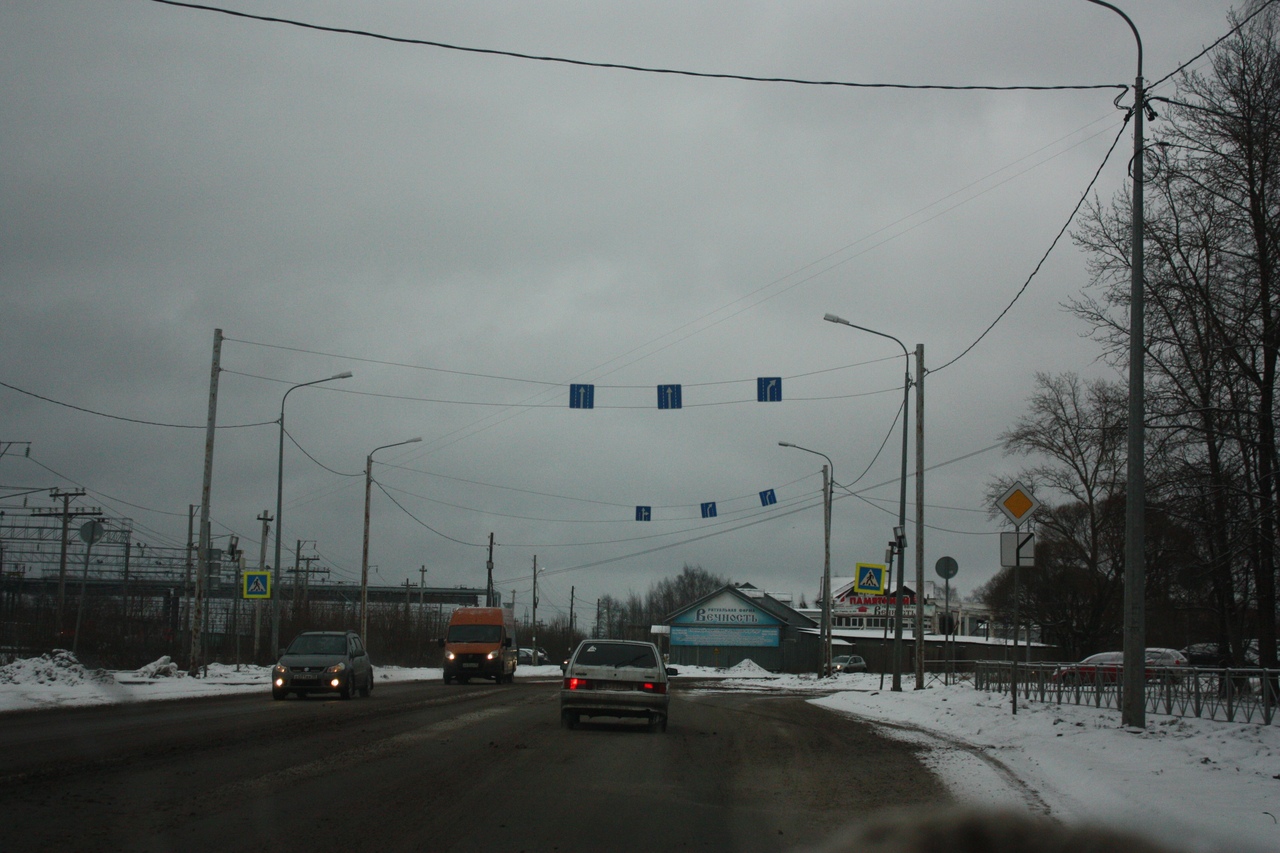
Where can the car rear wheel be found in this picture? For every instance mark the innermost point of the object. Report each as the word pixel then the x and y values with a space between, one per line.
pixel 657 722
pixel 569 719
pixel 347 689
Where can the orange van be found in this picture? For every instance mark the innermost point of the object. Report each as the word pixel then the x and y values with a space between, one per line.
pixel 480 643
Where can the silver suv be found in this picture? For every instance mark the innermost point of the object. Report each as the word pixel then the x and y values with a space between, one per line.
pixel 615 678
pixel 323 662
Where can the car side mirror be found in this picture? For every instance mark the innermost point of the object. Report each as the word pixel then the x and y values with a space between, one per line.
pixel 564 667
pixel 671 670
pixel 440 642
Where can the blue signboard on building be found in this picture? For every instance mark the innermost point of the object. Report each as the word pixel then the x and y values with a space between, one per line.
pixel 696 635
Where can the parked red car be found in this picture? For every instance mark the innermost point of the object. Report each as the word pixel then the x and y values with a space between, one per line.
pixel 1105 667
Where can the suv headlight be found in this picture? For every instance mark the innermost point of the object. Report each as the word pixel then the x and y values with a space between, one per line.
pixel 337 667
pixel 449 656
pixel 279 669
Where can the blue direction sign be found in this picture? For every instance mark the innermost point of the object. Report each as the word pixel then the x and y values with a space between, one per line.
pixel 582 396
pixel 709 509
pixel 644 513
pixel 669 397
pixel 257 585
pixel 769 389
pixel 767 497
pixel 869 579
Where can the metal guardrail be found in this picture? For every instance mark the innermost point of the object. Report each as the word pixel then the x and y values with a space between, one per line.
pixel 1233 695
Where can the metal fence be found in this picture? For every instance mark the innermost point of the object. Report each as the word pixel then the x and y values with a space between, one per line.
pixel 1233 695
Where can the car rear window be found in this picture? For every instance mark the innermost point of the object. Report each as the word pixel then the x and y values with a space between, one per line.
pixel 616 654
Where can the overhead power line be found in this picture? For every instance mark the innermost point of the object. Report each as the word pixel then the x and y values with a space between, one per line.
pixel 618 66
pixel 122 417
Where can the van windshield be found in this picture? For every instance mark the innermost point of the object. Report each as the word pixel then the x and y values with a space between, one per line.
pixel 475 633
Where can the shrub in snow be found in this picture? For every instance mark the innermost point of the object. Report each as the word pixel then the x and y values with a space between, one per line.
pixel 162 668
pixel 57 667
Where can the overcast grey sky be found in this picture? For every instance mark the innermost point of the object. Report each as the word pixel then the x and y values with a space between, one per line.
pixel 468 233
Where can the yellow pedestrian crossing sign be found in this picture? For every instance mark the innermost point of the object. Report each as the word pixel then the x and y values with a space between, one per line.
pixel 869 579
pixel 257 585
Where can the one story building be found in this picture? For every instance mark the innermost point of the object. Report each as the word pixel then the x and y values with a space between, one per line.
pixel 737 623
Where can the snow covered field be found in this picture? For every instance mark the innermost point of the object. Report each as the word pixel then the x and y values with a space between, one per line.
pixel 1199 784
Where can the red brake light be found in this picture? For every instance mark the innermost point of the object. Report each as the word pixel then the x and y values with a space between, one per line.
pixel 654 687
pixel 577 684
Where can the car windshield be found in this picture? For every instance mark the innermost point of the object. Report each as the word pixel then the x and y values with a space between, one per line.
pixel 318 644
pixel 840 659
pixel 474 633
pixel 616 655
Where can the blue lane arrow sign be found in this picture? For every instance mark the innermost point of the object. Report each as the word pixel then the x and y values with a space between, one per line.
pixel 709 509
pixel 582 396
pixel 669 397
pixel 644 513
pixel 769 389
pixel 768 497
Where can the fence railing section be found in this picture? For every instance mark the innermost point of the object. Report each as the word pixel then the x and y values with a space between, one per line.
pixel 1234 695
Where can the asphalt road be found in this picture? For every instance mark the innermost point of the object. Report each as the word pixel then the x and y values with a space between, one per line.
pixel 423 766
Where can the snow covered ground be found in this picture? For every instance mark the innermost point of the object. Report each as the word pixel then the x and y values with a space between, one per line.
pixel 1199 784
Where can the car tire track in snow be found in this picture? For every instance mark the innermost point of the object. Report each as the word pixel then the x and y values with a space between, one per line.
pixel 972 774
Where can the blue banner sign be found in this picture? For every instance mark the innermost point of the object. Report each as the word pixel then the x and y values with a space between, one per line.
pixel 688 635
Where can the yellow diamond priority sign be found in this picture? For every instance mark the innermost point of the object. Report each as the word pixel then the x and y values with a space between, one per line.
pixel 1017 504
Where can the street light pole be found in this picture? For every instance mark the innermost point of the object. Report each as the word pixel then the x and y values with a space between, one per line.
pixel 902 502
pixel 828 480
pixel 275 594
pixel 364 552
pixel 1133 678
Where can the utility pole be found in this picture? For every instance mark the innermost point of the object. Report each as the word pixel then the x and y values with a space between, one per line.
pixel 197 628
pixel 67 514
pixel 124 593
pixel 293 591
pixel 919 516
pixel 266 520
pixel 191 555
pixel 572 589
pixel 533 626
pixel 488 594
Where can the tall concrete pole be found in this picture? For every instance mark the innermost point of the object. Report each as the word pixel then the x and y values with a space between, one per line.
pixel 278 573
pixel 364 553
pixel 1133 678
pixel 202 550
pixel 919 516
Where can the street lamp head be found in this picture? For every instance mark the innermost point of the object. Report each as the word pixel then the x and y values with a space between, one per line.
pixel 832 318
pixel 785 444
pixel 346 374
pixel 412 440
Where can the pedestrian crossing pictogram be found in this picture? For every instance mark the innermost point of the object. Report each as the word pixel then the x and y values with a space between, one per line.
pixel 869 579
